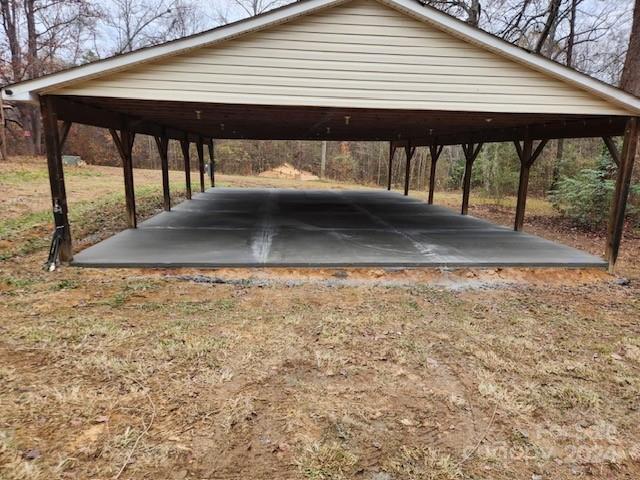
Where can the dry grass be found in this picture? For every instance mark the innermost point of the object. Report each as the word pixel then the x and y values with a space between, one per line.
pixel 293 374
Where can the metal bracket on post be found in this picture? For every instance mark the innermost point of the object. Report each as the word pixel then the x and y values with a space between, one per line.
pixel 53 261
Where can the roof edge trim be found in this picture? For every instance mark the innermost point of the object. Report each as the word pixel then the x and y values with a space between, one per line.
pixel 28 90
pixel 517 54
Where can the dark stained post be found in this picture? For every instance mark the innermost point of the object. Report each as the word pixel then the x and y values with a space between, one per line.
pixel 617 156
pixel 621 194
pixel 200 147
pixel 128 138
pixel 527 156
pixel 124 143
pixel 392 152
pixel 64 133
pixel 613 150
pixel 212 163
pixel 436 151
pixel 184 144
pixel 56 176
pixel 471 152
pixel 163 150
pixel 409 151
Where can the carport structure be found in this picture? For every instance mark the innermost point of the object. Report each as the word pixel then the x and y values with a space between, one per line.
pixel 366 70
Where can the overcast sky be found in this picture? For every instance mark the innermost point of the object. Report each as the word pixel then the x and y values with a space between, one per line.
pixel 213 11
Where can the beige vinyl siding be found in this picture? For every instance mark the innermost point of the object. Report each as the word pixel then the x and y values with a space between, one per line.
pixel 361 54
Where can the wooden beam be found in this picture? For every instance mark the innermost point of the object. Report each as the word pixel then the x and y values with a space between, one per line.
pixel 519 151
pixel 76 111
pixel 200 148
pixel 212 163
pixel 538 151
pixel 184 145
pixel 435 151
pixel 162 142
pixel 527 156
pixel 613 149
pixel 56 176
pixel 309 123
pixel 64 133
pixel 585 128
pixel 621 194
pixel 392 153
pixel 124 143
pixel 471 152
pixel 409 152
pixel 3 133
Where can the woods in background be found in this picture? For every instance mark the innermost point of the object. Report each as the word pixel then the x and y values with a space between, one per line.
pixel 593 36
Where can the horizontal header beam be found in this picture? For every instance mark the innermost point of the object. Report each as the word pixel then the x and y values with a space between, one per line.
pixel 613 126
pixel 70 111
pixel 258 122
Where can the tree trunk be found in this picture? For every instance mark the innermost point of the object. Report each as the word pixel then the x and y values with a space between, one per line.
pixel 32 71
pixel 571 41
pixel 631 73
pixel 555 176
pixel 549 26
pixel 474 13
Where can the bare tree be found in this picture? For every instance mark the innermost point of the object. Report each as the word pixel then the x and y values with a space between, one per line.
pixel 38 37
pixel 549 26
pixel 186 19
pixel 555 175
pixel 631 73
pixel 140 23
pixel 469 9
pixel 256 7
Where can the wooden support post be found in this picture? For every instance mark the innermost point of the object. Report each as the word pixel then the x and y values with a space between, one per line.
pixel 613 150
pixel 3 133
pixel 64 134
pixel 162 143
pixel 392 153
pixel 200 147
pixel 124 143
pixel 436 151
pixel 409 151
pixel 212 163
pixel 56 176
pixel 471 152
pixel 621 194
pixel 527 156
pixel 323 159
pixel 184 144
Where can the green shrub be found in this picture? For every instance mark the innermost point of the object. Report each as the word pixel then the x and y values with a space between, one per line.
pixel 586 198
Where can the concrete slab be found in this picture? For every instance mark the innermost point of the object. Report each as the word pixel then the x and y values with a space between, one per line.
pixel 226 227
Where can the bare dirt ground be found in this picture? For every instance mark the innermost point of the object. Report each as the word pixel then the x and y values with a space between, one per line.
pixel 307 374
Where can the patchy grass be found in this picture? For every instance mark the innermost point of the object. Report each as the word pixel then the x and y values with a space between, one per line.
pixel 535 206
pixel 295 374
pixel 424 464
pixel 326 462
